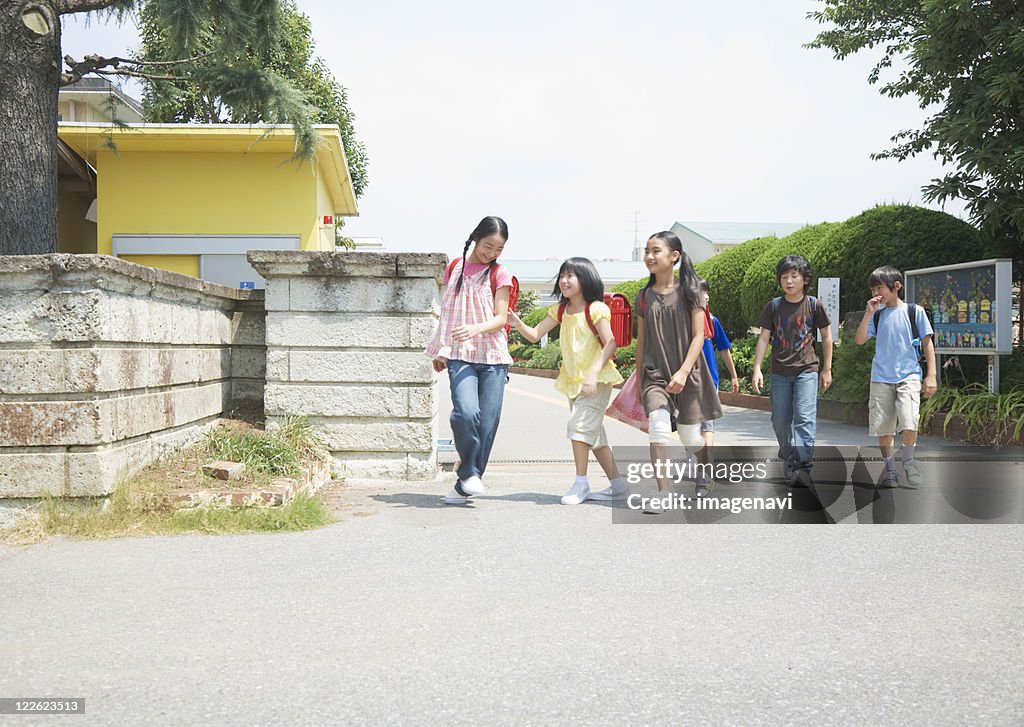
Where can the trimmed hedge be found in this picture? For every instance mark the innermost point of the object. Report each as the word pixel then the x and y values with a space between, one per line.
pixel 851 368
pixel 905 236
pixel 724 273
pixel 759 282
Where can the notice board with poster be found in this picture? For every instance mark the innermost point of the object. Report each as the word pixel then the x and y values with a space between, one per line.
pixel 969 305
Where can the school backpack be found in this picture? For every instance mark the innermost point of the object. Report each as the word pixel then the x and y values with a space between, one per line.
pixel 513 293
pixel 709 328
pixel 916 340
pixel 590 322
pixel 808 322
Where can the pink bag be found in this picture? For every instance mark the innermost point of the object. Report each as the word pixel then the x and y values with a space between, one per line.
pixel 626 407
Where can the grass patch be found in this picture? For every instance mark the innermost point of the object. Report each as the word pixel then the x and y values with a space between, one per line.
pixel 146 504
pixel 991 419
pixel 275 454
pixel 128 513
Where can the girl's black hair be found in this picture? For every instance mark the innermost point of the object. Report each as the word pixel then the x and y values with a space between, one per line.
pixel 487 226
pixel 586 272
pixel 688 280
pixel 798 263
pixel 886 275
pixel 703 285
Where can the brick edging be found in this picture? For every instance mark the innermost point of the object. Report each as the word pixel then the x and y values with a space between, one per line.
pixel 279 492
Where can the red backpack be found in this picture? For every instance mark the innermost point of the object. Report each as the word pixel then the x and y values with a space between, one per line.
pixel 513 293
pixel 590 321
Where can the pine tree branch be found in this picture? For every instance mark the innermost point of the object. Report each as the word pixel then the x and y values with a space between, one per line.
pixel 67 7
pixel 99 65
pixel 88 64
pixel 193 59
pixel 139 74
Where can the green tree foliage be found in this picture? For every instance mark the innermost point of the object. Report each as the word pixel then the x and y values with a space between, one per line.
pixel 193 91
pixel 963 59
pixel 904 236
pixel 527 302
pixel 724 273
pixel 226 35
pixel 759 282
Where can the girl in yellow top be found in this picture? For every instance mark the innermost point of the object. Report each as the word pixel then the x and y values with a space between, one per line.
pixel 587 374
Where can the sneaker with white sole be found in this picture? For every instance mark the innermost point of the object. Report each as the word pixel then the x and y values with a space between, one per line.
pixel 456 496
pixel 913 472
pixel 889 479
pixel 578 493
pixel 472 485
pixel 703 487
pixel 653 506
pixel 611 492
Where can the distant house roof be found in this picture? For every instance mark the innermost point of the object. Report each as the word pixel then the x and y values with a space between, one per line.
pixel 94 91
pixel 740 231
pixel 611 271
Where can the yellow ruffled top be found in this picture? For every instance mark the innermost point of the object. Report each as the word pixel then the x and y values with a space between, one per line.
pixel 580 349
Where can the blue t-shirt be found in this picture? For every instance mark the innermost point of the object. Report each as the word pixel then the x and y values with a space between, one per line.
pixel 895 356
pixel 720 342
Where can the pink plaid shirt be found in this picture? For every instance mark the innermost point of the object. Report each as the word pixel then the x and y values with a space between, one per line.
pixel 471 305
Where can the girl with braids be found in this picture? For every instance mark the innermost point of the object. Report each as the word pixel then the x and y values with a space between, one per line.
pixel 674 381
pixel 471 343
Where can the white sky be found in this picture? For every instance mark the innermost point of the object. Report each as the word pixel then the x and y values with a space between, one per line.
pixel 566 117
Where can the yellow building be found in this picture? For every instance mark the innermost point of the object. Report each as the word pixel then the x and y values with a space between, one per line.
pixel 194 198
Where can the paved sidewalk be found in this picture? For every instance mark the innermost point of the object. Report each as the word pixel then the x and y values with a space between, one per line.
pixel 519 610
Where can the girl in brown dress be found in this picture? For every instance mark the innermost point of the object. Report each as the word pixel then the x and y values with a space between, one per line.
pixel 675 383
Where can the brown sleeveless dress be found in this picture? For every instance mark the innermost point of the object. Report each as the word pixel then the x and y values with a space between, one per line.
pixel 667 336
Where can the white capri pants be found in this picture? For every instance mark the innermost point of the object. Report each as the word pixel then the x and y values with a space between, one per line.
pixel 659 428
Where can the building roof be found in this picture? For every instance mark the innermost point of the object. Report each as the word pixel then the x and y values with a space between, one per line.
pixel 87 139
pixel 611 271
pixel 93 91
pixel 740 231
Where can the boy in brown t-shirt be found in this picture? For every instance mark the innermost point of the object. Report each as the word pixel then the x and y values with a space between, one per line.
pixel 790 320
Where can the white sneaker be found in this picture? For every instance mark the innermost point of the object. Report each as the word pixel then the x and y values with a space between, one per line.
pixel 455 497
pixel 577 494
pixel 913 472
pixel 472 486
pixel 653 504
pixel 889 479
pixel 611 492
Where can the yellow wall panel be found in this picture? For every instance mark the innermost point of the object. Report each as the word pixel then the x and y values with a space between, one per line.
pixel 184 264
pixel 196 193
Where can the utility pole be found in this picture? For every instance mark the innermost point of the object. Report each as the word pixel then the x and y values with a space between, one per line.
pixel 636 236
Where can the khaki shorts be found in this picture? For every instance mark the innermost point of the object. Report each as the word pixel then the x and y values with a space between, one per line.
pixel 586 417
pixel 893 408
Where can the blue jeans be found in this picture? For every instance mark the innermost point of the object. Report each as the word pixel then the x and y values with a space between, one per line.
pixel 794 416
pixel 477 392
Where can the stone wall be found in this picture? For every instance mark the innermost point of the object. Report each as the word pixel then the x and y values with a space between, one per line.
pixel 104 365
pixel 345 339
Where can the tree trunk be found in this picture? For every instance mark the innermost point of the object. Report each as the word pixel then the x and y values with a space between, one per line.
pixel 30 58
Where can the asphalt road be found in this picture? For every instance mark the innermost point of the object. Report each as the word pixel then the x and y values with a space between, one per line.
pixel 519 610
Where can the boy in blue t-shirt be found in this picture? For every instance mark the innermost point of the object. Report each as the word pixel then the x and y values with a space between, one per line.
pixel 719 342
pixel 896 387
